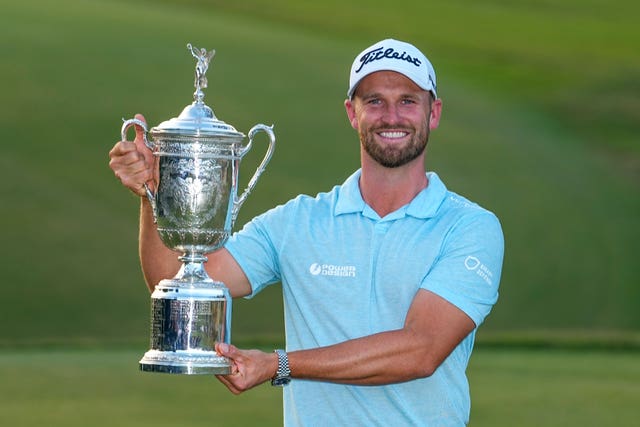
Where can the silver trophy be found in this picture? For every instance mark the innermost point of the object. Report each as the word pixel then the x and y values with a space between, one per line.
pixel 195 204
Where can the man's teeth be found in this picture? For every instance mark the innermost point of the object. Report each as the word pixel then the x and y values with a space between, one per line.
pixel 393 134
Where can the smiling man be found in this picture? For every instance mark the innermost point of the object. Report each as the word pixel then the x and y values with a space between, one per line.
pixel 380 276
pixel 390 114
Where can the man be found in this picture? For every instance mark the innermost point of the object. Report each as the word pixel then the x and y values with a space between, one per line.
pixel 385 278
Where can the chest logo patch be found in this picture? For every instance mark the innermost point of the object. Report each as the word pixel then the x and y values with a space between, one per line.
pixel 317 269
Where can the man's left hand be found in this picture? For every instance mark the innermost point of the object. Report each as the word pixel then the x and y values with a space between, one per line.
pixel 249 367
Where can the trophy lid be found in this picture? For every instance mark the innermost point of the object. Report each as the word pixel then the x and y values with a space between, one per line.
pixel 198 119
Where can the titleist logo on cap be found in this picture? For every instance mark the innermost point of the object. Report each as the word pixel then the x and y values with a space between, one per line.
pixel 391 53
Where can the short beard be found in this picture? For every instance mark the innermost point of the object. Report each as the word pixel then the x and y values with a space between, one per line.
pixel 393 157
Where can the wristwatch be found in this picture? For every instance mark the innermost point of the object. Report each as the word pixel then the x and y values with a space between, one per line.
pixel 283 374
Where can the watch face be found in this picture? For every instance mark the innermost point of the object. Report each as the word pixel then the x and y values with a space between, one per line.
pixel 280 381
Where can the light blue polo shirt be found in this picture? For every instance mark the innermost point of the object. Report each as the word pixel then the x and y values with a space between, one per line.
pixel 347 273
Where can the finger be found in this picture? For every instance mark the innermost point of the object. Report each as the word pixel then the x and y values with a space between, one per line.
pixel 131 158
pixel 140 134
pixel 121 148
pixel 124 161
pixel 135 184
pixel 136 177
pixel 227 350
pixel 132 171
pixel 234 369
pixel 225 380
pixel 130 164
pixel 141 141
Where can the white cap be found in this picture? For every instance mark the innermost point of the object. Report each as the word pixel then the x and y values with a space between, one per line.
pixel 393 55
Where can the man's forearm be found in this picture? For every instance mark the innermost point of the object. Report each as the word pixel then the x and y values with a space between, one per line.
pixel 158 262
pixel 383 358
pixel 432 330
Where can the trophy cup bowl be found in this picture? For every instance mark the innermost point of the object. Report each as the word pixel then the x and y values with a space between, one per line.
pixel 195 204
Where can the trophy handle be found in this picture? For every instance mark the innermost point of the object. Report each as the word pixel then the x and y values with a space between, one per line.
pixel 123 134
pixel 254 179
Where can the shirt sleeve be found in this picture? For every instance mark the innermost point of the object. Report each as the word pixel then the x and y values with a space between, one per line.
pixel 467 273
pixel 254 249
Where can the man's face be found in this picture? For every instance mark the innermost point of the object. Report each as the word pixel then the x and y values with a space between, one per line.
pixel 393 117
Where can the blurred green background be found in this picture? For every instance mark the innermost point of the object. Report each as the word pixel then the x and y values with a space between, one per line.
pixel 540 124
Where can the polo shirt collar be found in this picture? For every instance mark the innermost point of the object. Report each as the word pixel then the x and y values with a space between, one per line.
pixel 424 205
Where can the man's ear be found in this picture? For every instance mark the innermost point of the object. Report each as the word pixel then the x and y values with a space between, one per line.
pixel 351 113
pixel 436 112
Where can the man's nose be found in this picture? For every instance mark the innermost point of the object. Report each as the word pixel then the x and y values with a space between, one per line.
pixel 391 114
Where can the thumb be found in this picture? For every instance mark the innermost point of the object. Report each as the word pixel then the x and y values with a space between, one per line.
pixel 225 349
pixel 140 133
pixel 141 139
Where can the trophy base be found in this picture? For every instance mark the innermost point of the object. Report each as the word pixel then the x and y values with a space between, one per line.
pixel 190 314
pixel 185 362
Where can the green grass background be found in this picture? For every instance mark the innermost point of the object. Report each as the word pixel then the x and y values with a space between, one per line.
pixel 509 388
pixel 540 124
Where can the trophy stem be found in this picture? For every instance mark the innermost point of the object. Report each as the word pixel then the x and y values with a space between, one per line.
pixel 192 271
pixel 195 257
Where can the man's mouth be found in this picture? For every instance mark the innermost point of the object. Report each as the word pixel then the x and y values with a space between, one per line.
pixel 393 134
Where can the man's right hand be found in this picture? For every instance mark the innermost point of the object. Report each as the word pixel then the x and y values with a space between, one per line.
pixel 132 162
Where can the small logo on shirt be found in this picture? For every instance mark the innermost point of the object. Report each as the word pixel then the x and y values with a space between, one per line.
pixel 332 270
pixel 473 264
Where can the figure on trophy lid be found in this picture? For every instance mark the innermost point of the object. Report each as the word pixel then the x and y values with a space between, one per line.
pixel 204 58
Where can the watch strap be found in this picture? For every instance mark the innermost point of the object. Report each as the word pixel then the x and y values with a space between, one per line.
pixel 283 374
